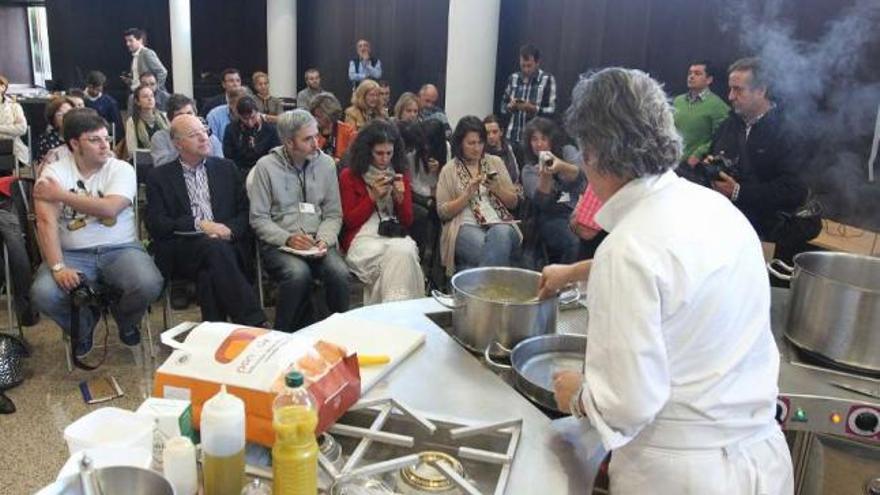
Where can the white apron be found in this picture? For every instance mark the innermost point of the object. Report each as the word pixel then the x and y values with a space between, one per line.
pixel 757 465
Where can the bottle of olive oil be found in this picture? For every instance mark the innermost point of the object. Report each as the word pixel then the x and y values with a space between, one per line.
pixel 222 430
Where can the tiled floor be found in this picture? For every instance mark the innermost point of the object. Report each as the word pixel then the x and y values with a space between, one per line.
pixel 32 447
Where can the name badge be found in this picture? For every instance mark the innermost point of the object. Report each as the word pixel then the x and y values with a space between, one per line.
pixel 307 208
pixel 564 198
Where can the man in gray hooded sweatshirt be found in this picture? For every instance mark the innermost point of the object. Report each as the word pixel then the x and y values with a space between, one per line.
pixel 297 214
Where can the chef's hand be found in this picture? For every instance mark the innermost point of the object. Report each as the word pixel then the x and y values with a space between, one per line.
pixel 553 279
pixel 565 385
pixel 725 186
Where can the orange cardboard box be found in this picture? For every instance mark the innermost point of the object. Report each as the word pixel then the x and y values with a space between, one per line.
pixel 252 363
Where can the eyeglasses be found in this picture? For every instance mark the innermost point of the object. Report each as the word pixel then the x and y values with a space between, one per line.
pixel 98 139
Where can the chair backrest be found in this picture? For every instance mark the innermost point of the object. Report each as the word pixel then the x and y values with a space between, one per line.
pixel 7 159
pixel 23 204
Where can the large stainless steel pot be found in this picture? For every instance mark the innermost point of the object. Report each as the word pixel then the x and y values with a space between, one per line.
pixel 535 360
pixel 477 322
pixel 834 310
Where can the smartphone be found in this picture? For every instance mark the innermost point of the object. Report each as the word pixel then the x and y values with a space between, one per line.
pixel 491 175
pixel 398 177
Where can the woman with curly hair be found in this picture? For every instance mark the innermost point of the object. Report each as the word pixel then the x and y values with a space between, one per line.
pixel 366 104
pixel 377 210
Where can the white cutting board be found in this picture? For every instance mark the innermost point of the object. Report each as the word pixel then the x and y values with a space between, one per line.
pixel 368 337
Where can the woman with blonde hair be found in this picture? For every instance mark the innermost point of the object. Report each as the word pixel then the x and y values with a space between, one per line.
pixel 407 108
pixel 366 104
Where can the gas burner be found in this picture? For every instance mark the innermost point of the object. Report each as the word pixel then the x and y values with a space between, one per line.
pixel 429 475
pixel 383 441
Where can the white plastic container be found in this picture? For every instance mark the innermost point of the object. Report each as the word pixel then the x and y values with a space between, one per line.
pixel 109 427
pixel 222 428
pixel 179 465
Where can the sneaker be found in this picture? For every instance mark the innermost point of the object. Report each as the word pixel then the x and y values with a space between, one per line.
pixel 179 296
pixel 130 337
pixel 29 317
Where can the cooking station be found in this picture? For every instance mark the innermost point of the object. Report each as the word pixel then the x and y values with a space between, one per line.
pixel 829 417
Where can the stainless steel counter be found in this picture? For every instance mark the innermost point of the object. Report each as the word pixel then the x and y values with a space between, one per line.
pixel 441 379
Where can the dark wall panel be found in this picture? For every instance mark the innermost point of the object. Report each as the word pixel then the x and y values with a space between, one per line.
pixel 87 34
pixel 409 36
pixel 15 55
pixel 226 33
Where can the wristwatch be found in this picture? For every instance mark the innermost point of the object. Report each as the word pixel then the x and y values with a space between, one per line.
pixel 57 267
pixel 577 409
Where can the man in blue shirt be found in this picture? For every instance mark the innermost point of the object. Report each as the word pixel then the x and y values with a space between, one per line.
pixel 365 66
pixel 219 117
pixel 104 104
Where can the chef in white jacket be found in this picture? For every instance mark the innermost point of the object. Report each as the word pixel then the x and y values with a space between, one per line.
pixel 681 367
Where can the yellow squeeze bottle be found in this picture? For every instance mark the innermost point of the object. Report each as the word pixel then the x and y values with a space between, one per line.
pixel 295 453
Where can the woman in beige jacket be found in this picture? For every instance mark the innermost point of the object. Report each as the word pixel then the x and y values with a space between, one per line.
pixel 474 199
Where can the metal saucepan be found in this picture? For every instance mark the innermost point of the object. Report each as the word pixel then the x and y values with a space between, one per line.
pixel 535 360
pixel 834 310
pixel 478 322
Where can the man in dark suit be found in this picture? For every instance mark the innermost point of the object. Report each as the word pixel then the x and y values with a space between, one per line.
pixel 197 215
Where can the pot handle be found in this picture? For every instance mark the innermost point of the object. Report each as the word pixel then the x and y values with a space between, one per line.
pixel 782 265
pixel 570 296
pixel 489 358
pixel 444 300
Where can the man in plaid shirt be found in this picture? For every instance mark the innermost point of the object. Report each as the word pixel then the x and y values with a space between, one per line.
pixel 529 93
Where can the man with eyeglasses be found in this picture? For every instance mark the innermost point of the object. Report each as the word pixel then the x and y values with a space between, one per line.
pixel 162 148
pixel 197 215
pixel 86 233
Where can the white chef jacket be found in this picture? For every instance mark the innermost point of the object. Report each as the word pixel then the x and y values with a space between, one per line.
pixel 680 352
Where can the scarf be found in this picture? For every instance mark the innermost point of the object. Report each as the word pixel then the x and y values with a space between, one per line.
pixel 384 205
pixel 464 176
pixel 146 130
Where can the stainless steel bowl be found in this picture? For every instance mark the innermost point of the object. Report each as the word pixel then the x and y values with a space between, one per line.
pixel 119 479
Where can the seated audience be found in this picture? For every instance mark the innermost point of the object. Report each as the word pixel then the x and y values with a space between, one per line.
pixel 77 96
pixel 364 66
pixel 220 116
pixel 106 106
pixel 385 95
pixel 553 186
pixel 50 142
pixel 407 108
pixel 86 233
pixel 250 138
pixel 334 136
pixel 377 210
pixel 268 105
pixel 426 150
pixel 366 105
pixel 13 124
pixel 428 109
pixel 144 122
pixel 148 79
pixel 197 216
pixel 295 205
pixel 766 181
pixel 162 147
pixel 474 199
pixel 230 80
pixel 496 144
pixel 313 88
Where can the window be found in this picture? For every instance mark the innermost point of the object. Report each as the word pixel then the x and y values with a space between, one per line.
pixel 39 38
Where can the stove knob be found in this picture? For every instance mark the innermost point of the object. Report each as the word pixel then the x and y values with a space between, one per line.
pixel 781 411
pixel 873 487
pixel 867 422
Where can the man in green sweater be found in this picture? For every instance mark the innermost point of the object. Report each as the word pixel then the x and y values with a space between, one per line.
pixel 699 112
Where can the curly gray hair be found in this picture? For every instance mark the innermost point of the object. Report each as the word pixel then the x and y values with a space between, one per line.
pixel 623 116
pixel 290 122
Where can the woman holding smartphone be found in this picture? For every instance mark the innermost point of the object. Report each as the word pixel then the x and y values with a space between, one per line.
pixel 377 210
pixel 474 199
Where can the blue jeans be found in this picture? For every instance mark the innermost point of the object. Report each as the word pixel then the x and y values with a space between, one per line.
pixel 561 243
pixel 294 276
pixel 493 246
pixel 126 267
